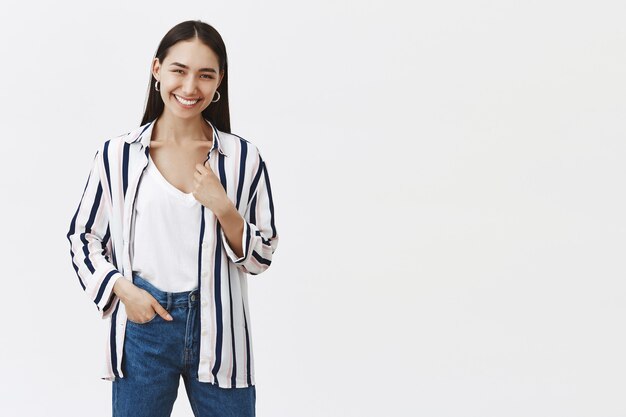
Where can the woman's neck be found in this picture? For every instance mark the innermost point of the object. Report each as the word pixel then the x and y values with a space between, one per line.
pixel 174 130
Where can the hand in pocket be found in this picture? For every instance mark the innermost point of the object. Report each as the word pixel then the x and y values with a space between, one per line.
pixel 141 306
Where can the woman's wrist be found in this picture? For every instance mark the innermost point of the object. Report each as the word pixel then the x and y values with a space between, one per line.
pixel 121 287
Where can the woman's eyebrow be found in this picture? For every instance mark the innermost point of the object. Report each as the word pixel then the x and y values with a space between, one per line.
pixel 178 64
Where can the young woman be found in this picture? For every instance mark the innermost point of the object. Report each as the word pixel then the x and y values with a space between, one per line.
pixel 175 215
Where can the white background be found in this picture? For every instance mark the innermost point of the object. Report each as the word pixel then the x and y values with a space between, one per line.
pixel 449 189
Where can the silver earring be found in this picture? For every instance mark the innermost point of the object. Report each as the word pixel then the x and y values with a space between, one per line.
pixel 155 85
pixel 218 97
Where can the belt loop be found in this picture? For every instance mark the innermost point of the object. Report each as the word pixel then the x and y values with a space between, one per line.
pixel 169 301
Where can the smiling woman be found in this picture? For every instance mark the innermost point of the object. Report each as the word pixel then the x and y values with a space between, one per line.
pixel 185 79
pixel 175 216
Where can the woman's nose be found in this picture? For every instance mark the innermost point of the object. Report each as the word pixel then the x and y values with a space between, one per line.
pixel 189 86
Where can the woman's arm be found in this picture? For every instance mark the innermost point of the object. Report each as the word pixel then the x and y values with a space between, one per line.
pixel 87 235
pixel 233 225
pixel 255 233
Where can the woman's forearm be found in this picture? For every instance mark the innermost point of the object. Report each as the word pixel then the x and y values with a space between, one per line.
pixel 232 223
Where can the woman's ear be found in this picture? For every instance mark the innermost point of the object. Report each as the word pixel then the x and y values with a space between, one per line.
pixel 156 68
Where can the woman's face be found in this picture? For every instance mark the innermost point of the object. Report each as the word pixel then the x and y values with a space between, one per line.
pixel 190 72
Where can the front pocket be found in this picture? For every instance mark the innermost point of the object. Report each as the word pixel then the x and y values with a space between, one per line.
pixel 145 322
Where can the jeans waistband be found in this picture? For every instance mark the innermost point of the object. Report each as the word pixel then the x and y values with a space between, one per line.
pixel 166 298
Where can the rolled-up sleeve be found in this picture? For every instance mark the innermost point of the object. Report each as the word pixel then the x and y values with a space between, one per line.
pixel 259 239
pixel 88 234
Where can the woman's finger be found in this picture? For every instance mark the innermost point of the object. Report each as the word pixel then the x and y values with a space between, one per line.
pixel 161 311
pixel 201 168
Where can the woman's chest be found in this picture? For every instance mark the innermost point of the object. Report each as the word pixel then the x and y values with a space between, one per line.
pixel 178 164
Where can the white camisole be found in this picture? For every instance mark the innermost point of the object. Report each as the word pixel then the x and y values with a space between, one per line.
pixel 166 233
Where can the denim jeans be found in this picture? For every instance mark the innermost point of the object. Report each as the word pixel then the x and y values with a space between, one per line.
pixel 158 352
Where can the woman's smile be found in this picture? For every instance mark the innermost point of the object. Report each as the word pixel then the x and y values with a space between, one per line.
pixel 187 104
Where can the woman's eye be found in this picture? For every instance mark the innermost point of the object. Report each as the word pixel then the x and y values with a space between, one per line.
pixel 209 77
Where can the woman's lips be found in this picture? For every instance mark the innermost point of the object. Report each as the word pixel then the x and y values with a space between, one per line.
pixel 186 104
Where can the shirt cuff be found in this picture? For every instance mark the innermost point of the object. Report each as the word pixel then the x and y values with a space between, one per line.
pixel 244 244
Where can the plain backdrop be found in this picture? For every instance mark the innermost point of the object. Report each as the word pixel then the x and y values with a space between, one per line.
pixel 449 190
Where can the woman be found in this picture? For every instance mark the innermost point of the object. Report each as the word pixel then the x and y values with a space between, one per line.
pixel 174 217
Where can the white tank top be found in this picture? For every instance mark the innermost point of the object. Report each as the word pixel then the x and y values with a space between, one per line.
pixel 166 233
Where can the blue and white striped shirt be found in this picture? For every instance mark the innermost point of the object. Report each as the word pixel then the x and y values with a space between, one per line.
pixel 100 246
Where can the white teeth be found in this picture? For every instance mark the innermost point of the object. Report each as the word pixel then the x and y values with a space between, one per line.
pixel 186 102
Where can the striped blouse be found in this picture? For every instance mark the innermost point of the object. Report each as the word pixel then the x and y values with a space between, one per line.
pixel 100 247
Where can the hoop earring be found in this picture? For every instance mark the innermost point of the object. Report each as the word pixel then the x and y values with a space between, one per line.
pixel 218 97
pixel 155 85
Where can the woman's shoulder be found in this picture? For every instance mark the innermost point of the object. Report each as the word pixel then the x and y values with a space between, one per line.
pixel 128 136
pixel 232 142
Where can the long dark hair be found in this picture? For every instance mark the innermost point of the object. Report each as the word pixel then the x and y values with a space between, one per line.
pixel 218 112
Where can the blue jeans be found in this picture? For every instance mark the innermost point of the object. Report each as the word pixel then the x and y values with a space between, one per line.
pixel 158 352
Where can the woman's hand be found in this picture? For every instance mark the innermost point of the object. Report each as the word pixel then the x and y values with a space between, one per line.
pixel 208 189
pixel 141 306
